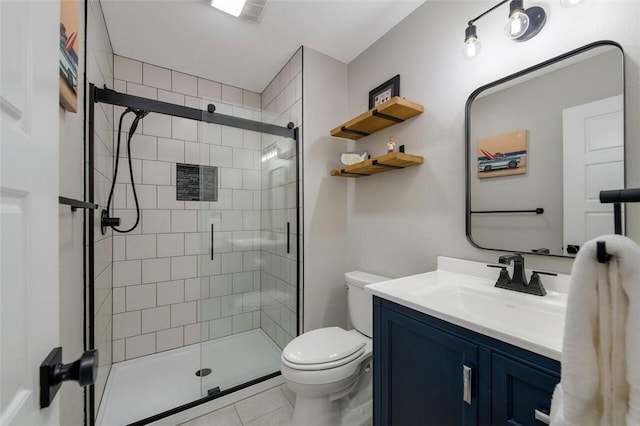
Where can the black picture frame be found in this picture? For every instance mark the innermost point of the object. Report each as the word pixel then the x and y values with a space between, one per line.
pixel 384 92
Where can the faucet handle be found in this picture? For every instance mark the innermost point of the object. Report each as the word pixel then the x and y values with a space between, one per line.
pixel 553 274
pixel 535 283
pixel 497 266
pixel 504 277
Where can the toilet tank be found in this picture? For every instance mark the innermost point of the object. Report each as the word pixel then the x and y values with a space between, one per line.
pixel 360 302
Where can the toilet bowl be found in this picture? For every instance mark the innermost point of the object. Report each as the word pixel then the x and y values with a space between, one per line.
pixel 329 368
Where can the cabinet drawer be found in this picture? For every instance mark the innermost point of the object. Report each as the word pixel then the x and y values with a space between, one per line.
pixel 518 391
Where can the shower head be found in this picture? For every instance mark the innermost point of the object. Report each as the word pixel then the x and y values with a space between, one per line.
pixel 140 114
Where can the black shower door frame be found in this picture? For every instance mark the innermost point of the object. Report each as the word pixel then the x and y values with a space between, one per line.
pixel 111 97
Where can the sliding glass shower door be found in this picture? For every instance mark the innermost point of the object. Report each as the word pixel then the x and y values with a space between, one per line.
pixel 247 248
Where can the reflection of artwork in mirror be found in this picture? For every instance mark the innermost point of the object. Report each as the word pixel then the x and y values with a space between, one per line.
pixel 503 155
pixel 573 109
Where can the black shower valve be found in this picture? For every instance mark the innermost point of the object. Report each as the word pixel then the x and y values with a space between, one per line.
pixel 107 222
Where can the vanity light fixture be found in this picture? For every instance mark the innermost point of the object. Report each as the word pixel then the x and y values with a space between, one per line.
pixel 518 22
pixel 523 24
pixel 471 43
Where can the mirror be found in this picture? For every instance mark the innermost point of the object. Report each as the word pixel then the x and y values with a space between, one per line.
pixel 540 146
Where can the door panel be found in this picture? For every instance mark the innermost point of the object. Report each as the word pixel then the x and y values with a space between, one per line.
pixel 28 206
pixel 593 160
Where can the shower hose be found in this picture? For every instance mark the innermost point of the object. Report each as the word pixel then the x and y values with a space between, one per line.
pixel 134 125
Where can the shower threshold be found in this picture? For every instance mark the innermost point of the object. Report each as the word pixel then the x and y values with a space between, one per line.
pixel 146 386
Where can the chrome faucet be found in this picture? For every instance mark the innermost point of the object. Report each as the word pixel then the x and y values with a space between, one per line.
pixel 518 281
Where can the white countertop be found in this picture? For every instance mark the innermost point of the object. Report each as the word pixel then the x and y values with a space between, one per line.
pixel 462 292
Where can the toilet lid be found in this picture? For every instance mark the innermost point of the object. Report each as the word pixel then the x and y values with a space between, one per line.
pixel 324 345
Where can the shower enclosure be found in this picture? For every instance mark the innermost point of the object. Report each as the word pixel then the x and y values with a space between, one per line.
pixel 224 270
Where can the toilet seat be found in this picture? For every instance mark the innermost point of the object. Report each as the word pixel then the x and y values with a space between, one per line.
pixel 323 349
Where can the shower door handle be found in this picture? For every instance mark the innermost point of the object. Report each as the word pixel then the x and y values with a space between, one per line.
pixel 288 237
pixel 212 241
pixel 53 372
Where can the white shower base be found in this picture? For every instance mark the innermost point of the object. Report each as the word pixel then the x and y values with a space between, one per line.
pixel 146 386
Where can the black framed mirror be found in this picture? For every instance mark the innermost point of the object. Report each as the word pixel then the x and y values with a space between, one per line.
pixel 540 146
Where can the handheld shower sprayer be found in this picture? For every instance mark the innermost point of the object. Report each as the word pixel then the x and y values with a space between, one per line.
pixel 106 219
pixel 140 114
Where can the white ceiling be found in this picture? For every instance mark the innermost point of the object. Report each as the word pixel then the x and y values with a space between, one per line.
pixel 192 37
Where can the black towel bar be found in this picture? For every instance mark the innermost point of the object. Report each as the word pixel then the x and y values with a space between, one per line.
pixel 76 204
pixel 537 210
pixel 617 197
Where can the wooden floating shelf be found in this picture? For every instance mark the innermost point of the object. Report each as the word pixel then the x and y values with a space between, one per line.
pixel 383 163
pixel 395 110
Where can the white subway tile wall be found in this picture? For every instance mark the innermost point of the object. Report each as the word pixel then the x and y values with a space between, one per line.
pixel 168 292
pixel 282 102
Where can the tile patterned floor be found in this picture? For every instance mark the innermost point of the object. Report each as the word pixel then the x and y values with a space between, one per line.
pixel 273 407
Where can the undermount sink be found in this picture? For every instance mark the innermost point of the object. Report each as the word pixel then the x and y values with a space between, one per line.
pixel 528 315
pixel 463 293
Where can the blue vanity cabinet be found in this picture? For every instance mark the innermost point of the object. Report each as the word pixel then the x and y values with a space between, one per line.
pixel 421 364
pixel 418 374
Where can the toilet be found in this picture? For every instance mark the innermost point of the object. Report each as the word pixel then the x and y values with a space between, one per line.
pixel 330 368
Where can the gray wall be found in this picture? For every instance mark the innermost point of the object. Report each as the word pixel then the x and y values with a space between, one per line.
pixel 399 222
pixel 325 198
pixel 535 105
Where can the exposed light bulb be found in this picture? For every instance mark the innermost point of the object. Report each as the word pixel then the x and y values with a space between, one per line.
pixel 471 47
pixel 232 7
pixel 471 43
pixel 517 25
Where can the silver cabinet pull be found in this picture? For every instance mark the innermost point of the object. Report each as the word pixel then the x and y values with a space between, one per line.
pixel 541 417
pixel 466 381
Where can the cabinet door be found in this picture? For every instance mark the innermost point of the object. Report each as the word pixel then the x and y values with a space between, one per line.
pixel 519 391
pixel 418 374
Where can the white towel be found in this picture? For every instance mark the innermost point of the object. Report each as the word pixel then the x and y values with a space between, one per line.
pixel 600 382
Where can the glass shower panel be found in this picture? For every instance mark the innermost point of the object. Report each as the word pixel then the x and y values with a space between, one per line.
pixel 242 224
pixel 279 232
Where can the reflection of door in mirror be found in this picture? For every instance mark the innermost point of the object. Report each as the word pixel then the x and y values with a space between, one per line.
pixel 593 161
pixel 535 99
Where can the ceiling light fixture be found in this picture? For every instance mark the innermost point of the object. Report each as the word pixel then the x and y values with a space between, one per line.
pixel 523 24
pixel 232 7
pixel 248 10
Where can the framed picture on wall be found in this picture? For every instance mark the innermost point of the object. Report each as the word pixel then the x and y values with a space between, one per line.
pixel 384 92
pixel 503 155
pixel 69 46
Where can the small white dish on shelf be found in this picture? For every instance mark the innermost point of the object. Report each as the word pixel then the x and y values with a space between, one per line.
pixel 348 158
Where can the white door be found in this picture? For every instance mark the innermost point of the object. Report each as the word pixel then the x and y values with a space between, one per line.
pixel 29 40
pixel 593 160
